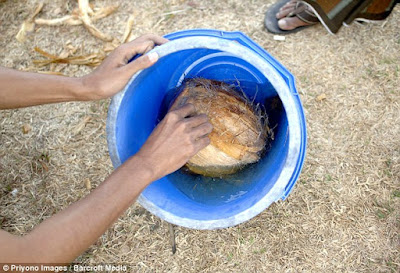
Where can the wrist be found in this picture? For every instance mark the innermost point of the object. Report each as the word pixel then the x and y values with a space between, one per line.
pixel 140 168
pixel 85 89
pixel 78 89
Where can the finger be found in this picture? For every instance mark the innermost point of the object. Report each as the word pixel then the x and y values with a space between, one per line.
pixel 185 111
pixel 140 63
pixel 201 143
pixel 195 121
pixel 143 47
pixel 132 49
pixel 147 42
pixel 202 130
pixel 158 40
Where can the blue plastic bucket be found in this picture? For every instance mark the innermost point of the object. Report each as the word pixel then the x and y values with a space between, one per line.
pixel 195 201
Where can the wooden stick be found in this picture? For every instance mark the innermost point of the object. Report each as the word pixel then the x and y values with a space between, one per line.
pixel 172 237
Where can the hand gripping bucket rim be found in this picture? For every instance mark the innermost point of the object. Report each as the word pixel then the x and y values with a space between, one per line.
pixel 216 40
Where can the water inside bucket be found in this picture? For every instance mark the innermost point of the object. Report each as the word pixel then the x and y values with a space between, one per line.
pixel 215 191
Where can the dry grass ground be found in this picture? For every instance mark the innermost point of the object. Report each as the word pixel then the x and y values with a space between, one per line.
pixel 343 214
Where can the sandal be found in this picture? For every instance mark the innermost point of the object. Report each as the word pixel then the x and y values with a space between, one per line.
pixel 301 11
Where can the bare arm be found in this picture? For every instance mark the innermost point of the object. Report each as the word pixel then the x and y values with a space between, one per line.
pixel 21 89
pixel 64 236
pixel 61 238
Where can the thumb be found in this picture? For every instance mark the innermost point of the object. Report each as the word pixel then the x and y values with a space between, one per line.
pixel 142 62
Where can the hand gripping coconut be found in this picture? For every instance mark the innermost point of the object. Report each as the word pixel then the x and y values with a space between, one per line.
pixel 239 134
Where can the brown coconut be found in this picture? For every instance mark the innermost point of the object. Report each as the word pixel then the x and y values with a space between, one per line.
pixel 238 135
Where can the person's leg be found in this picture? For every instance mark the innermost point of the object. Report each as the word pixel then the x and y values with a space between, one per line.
pixel 287 19
pixel 292 15
pixel 287 16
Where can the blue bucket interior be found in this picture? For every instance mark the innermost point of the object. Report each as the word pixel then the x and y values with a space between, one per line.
pixel 182 193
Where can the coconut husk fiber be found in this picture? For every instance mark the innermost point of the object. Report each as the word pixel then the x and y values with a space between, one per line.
pixel 238 135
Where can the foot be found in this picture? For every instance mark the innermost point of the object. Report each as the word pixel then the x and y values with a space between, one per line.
pixel 286 21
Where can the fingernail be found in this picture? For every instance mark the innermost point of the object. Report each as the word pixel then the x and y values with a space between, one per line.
pixel 153 56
